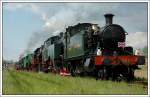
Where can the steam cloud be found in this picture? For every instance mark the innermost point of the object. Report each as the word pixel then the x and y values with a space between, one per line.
pixel 67 15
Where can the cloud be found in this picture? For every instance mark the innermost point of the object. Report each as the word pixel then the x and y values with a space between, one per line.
pixel 137 39
pixel 73 13
pixel 60 20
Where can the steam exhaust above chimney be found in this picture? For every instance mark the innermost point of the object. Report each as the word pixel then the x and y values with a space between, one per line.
pixel 109 19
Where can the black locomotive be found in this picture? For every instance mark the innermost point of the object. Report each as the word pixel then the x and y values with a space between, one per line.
pixel 87 49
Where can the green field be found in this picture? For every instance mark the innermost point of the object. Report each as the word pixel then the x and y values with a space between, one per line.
pixel 21 82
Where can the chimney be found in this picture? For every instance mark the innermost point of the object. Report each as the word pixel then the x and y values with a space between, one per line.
pixel 109 18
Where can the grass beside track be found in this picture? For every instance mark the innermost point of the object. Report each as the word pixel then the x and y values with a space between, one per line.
pixel 21 82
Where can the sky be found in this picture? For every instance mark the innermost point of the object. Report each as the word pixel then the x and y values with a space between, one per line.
pixel 27 25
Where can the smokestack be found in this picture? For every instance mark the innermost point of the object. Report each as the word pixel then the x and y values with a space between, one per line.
pixel 109 18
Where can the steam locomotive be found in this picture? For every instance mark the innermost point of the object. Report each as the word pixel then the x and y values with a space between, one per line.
pixel 86 49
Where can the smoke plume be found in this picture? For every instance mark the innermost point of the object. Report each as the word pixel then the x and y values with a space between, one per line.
pixel 69 14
